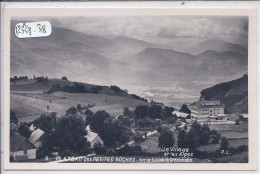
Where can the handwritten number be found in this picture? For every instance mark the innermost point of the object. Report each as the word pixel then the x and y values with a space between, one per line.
pixel 41 28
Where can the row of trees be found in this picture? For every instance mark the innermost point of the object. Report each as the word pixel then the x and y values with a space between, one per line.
pixel 75 88
pixel 41 79
pixel 18 78
pixel 112 132
pixel 153 112
pixel 68 134
pixel 197 135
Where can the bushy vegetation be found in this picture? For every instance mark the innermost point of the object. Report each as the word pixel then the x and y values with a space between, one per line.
pixel 112 132
pixel 185 109
pixel 75 88
pixel 166 139
pixel 198 135
pixel 64 78
pixel 41 79
pixel 24 130
pixel 153 112
pixel 233 94
pixel 45 122
pixel 18 78
pixel 117 89
pixel 68 135
pixel 139 98
pixel 13 118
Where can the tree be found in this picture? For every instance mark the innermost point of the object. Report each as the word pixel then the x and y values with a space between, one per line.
pixel 79 107
pixel 166 139
pixel 204 134
pixel 114 133
pixel 69 134
pixel 162 128
pixel 185 109
pixel 72 110
pixel 13 118
pixel 46 122
pixel 181 139
pixel 141 111
pixel 100 149
pixel 224 144
pixel 89 115
pixel 215 136
pixel 167 112
pixel 237 122
pixel 55 87
pixel 146 123
pixel 64 78
pixel 24 130
pixel 155 111
pixel 126 111
pixel 96 122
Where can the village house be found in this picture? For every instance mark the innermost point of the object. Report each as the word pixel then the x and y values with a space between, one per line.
pixel 21 149
pixel 35 137
pixel 93 138
pixel 180 114
pixel 208 109
pixel 243 117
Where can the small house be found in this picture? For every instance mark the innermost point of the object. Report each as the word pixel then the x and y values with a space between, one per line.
pixel 243 117
pixel 35 138
pixel 21 149
pixel 180 114
pixel 93 138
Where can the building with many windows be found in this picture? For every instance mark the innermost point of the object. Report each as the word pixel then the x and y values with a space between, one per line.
pixel 207 109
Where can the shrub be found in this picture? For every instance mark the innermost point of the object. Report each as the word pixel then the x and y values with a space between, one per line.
pixel 68 153
pixel 166 139
pixel 100 149
pixel 64 78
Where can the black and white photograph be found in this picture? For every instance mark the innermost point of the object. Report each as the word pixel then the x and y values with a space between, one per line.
pixel 142 89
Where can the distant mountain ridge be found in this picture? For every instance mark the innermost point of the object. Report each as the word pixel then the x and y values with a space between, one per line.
pixel 126 62
pixel 233 94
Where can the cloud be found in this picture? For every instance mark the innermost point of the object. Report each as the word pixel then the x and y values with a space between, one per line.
pixel 160 27
pixel 203 27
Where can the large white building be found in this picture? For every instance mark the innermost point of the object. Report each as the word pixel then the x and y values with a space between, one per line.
pixel 208 109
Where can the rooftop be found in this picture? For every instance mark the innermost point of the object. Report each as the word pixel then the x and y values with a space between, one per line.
pixel 36 135
pixel 16 141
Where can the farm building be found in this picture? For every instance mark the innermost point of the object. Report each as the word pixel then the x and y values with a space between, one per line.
pixel 93 138
pixel 180 114
pixel 204 109
pixel 243 117
pixel 32 128
pixel 21 149
pixel 35 138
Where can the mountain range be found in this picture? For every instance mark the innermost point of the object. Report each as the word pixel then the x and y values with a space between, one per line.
pixel 131 63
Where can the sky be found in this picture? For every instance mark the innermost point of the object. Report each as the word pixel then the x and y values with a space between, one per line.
pixel 158 29
pixel 161 29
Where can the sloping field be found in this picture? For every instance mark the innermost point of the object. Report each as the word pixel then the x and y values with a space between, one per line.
pixel 26 105
pixel 232 131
